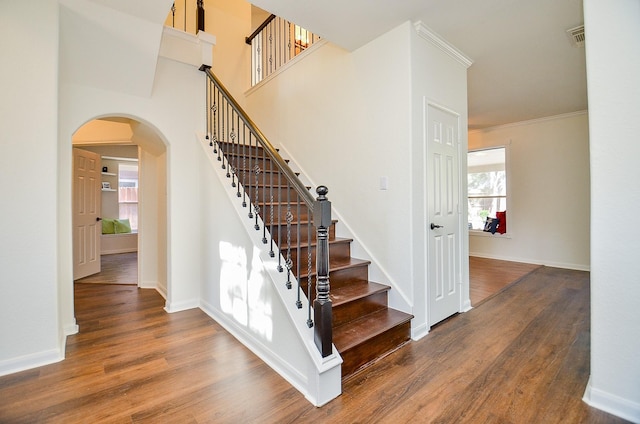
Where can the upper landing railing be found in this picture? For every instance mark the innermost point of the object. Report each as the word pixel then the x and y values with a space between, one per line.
pixel 274 43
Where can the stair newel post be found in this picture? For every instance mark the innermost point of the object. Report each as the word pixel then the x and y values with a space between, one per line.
pixel 322 312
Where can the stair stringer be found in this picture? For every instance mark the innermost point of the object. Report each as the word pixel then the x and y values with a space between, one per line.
pixel 294 355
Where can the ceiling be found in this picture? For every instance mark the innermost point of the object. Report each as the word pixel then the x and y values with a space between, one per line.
pixel 524 66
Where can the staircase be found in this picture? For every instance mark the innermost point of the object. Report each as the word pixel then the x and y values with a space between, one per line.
pixel 364 327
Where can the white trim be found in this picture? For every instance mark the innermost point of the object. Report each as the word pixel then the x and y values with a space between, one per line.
pixel 419 332
pixel 172 307
pixel 530 121
pixel 431 36
pixel 70 329
pixel 160 289
pixel 611 403
pixel 32 360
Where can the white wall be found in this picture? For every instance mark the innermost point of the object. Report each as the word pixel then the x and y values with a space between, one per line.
pixel 613 66
pixel 548 192
pixel 29 330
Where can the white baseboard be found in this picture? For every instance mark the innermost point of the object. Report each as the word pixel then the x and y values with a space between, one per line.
pixel 612 404
pixel 564 265
pixel 172 307
pixel 71 328
pixel 33 360
pixel 419 332
pixel 466 306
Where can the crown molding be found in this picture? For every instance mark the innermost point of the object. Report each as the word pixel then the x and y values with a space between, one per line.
pixel 428 34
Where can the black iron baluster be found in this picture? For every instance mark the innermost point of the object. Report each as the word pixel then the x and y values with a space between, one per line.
pixel 289 220
pixel 232 150
pixel 228 144
pixel 258 170
pixel 309 268
pixel 279 222
pixel 207 112
pixel 271 48
pixel 271 252
pixel 214 109
pixel 252 165
pixel 243 150
pixel 289 39
pixel 298 252
pixel 264 200
pixel 222 133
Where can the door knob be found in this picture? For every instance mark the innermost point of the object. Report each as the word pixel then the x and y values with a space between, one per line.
pixel 100 219
pixel 434 226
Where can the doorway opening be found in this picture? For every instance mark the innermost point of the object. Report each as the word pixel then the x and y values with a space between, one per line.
pixel 129 229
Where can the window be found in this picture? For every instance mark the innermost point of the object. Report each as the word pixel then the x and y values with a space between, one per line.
pixel 487 185
pixel 128 193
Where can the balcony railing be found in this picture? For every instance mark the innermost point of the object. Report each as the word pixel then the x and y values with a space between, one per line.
pixel 275 42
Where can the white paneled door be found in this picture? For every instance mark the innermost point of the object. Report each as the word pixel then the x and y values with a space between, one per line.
pixel 87 186
pixel 443 218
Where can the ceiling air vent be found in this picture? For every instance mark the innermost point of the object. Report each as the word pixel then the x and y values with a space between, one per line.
pixel 576 35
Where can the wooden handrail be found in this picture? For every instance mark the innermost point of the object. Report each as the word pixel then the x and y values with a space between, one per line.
pixel 262 26
pixel 297 185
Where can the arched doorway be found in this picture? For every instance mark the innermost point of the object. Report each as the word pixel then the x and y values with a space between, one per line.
pixel 119 141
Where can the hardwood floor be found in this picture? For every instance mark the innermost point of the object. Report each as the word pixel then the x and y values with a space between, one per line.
pixel 519 357
pixel 487 277
pixel 119 268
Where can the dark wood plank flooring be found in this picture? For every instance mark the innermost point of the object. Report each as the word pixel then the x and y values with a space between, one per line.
pixel 521 356
pixel 487 277
pixel 118 268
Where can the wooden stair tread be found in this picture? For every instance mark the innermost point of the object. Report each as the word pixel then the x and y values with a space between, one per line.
pixel 355 290
pixel 341 263
pixel 353 333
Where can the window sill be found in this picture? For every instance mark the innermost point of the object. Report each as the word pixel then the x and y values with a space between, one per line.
pixel 478 233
